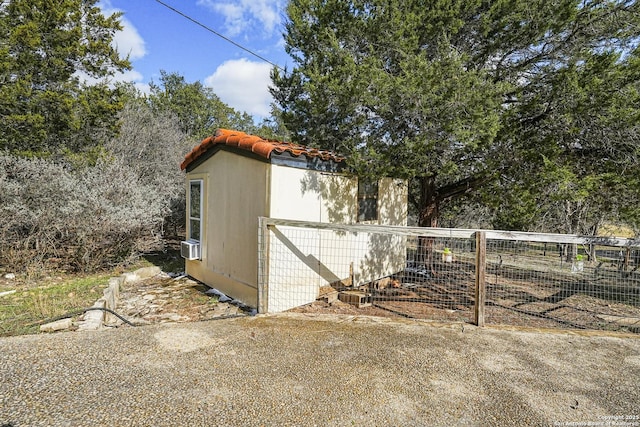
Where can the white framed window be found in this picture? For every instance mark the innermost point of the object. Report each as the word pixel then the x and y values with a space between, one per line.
pixel 196 197
pixel 367 200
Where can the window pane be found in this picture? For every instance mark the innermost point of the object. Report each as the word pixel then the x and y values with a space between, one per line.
pixel 194 199
pixel 367 189
pixel 367 200
pixel 195 209
pixel 194 229
pixel 367 209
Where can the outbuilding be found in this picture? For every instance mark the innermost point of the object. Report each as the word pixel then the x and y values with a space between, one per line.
pixel 234 178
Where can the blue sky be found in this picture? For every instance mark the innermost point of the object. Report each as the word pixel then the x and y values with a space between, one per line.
pixel 156 38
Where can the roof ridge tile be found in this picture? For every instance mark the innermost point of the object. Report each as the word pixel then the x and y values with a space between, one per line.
pixel 255 144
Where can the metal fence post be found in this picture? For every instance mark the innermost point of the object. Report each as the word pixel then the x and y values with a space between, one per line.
pixel 263 265
pixel 481 259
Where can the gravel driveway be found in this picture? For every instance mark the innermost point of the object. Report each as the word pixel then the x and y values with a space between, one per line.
pixel 299 370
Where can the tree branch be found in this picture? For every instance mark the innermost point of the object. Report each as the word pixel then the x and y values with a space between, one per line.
pixel 462 187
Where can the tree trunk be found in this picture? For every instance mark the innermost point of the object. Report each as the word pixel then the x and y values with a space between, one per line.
pixel 429 208
pixel 429 203
pixel 573 223
pixel 427 217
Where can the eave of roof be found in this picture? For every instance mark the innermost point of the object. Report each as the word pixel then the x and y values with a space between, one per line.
pixel 262 147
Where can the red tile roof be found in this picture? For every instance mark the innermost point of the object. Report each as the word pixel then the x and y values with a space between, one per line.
pixel 260 146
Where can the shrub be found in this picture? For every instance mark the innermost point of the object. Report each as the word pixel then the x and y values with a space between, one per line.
pixel 74 216
pixel 152 145
pixel 85 219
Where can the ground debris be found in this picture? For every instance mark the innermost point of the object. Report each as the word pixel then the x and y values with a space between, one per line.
pixel 165 298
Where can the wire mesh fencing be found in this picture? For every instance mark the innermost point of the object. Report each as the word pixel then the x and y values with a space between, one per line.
pixel 562 281
pixel 523 279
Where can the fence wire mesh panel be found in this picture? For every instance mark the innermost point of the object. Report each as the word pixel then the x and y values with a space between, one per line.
pixel 566 284
pixel 437 281
pixel 377 270
pixel 522 279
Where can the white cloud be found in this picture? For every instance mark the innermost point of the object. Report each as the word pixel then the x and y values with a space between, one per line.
pixel 127 76
pixel 127 41
pixel 244 85
pixel 247 15
pixel 134 77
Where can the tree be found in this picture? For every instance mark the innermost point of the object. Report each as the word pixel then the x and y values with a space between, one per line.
pixel 46 49
pixel 151 145
pixel 199 110
pixel 55 214
pixel 273 127
pixel 584 148
pixel 458 96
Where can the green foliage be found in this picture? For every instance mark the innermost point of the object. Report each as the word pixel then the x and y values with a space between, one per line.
pixel 533 102
pixel 79 219
pixel 580 146
pixel 273 127
pixel 199 110
pixel 82 212
pixel 46 49
pixel 152 146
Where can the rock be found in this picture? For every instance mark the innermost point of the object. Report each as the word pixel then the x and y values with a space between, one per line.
pixel 93 318
pixel 140 274
pixel 173 317
pixel 58 325
pixel 146 272
pixel 10 276
pixel 128 278
pixel 221 297
pixel 232 310
pixel 224 309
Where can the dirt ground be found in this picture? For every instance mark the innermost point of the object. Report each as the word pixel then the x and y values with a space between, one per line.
pixel 563 302
pixel 165 299
pixel 323 364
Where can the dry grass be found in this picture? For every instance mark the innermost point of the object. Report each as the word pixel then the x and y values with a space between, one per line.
pixel 45 295
pixel 23 311
pixel 616 230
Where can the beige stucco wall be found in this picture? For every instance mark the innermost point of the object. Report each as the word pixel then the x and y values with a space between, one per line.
pixel 393 201
pixel 379 255
pixel 236 189
pixel 302 260
pixel 308 195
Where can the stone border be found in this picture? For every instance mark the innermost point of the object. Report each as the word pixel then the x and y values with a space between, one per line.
pixel 95 319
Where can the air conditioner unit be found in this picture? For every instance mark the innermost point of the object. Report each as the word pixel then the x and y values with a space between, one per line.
pixel 190 249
